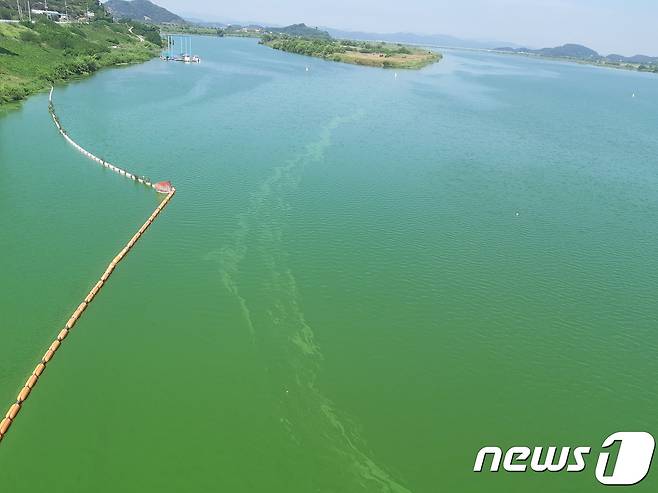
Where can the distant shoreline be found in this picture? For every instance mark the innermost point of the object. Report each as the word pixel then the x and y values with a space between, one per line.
pixel 627 67
pixel 630 67
pixel 380 55
pixel 303 40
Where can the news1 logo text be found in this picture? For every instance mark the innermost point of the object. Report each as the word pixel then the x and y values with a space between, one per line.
pixel 630 466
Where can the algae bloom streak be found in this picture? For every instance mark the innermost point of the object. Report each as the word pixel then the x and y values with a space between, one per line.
pixel 363 280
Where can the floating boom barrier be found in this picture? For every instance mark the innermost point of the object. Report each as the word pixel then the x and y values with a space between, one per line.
pixel 85 152
pixel 33 379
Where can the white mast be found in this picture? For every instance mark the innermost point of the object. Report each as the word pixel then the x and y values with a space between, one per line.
pixel 29 10
pixel 20 12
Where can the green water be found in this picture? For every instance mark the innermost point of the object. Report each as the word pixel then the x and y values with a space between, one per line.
pixel 341 297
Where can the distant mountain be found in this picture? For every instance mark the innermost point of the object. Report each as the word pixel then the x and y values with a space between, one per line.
pixel 142 10
pixel 564 51
pixel 633 59
pixel 420 39
pixel 580 52
pixel 300 30
pixel 202 23
pixel 257 30
pixel 570 51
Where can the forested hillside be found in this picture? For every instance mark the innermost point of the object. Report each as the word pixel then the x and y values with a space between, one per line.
pixel 34 55
pixel 143 11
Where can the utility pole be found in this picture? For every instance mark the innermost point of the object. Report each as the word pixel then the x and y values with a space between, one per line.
pixel 20 12
pixel 66 10
pixel 29 11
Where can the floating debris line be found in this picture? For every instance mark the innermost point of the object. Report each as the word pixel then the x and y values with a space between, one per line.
pixel 162 187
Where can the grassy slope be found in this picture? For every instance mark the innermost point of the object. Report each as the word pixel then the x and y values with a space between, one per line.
pixel 417 59
pixel 32 58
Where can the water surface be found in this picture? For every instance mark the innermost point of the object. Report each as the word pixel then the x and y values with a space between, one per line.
pixel 361 281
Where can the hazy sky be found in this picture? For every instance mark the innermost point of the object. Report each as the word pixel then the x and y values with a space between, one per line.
pixel 620 26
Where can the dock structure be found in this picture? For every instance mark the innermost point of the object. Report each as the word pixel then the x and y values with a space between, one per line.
pixel 179 49
pixel 161 187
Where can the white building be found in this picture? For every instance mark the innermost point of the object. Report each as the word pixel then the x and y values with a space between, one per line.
pixel 51 14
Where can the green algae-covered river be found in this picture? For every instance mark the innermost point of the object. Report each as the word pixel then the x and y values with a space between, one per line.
pixel 361 281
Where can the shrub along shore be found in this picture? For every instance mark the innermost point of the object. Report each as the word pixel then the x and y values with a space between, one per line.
pixel 35 55
pixel 373 54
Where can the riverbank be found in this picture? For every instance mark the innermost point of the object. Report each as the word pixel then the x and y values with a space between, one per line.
pixel 303 40
pixel 34 56
pixel 372 54
pixel 633 67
